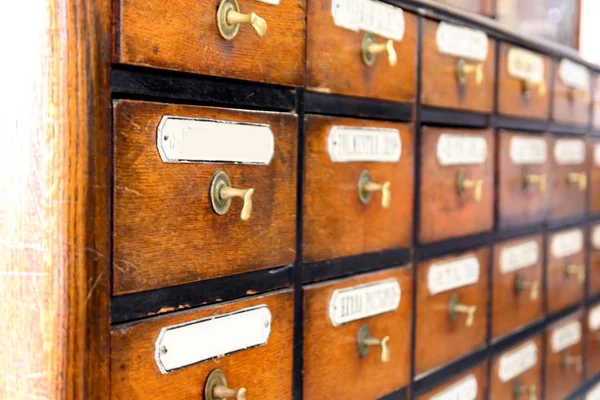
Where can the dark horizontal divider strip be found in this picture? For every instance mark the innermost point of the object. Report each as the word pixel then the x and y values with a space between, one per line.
pixel 514 233
pixel 129 307
pixel 566 223
pixel 593 300
pixel 447 117
pixel 557 316
pixel 521 124
pixel 595 132
pixel 144 83
pixel 345 266
pixel 513 339
pixel 585 386
pixel 569 129
pixel 345 106
pixel 452 246
pixel 401 394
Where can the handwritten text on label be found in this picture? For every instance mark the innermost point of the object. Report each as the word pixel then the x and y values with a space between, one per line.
pixel 569 151
pixel 527 150
pixel 566 336
pixel 465 389
pixel 516 362
pixel 461 149
pixel 356 144
pixel 453 274
pixel 523 255
pixel 574 75
pixel 370 16
pixel 525 65
pixel 460 41
pixel 567 243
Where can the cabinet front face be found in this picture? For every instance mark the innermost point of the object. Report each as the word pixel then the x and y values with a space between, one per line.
pixel 200 193
pixel 592 323
pixel 356 332
pixel 451 308
pixel 188 354
pixel 371 52
pixel 596 104
pixel 359 180
pixel 470 385
pixel 594 174
pixel 564 358
pixel 571 93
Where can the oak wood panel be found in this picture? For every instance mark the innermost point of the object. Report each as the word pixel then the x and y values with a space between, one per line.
pixel 596 102
pixel 593 344
pixel 440 86
pixel 334 63
pixel 511 100
pixel 571 107
pixel 445 214
pixel 332 208
pixel 183 36
pixel 134 373
pixel 511 310
pixel 593 277
pixel 532 377
pixel 166 232
pixel 439 340
pixel 480 374
pixel 330 353
pixel 519 205
pixel 594 174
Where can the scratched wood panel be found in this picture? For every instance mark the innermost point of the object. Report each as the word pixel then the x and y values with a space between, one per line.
pixel 570 106
pixel 134 373
pixel 166 232
pixel 183 36
pixel 480 374
pixel 334 63
pixel 594 174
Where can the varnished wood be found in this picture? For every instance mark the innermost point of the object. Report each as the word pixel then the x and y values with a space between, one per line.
pixel 134 372
pixel 444 213
pixel 511 310
pixel 166 231
pixel 334 63
pixel 596 101
pixel 594 175
pixel 519 205
pixel 511 100
pixel 332 366
pixel 592 336
pixel 479 372
pixel 440 86
pixel 438 340
pixel 593 278
pixel 570 107
pixel 183 36
pixel 336 222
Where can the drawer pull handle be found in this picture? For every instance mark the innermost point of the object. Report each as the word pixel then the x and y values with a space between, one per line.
pixel 532 179
pixel 568 360
pixel 527 88
pixel 521 284
pixel 221 194
pixel 366 187
pixel 366 341
pixel 216 388
pixel 521 390
pixel 370 49
pixel 463 184
pixel 454 308
pixel 463 69
pixel 229 19
pixel 575 270
pixel 580 178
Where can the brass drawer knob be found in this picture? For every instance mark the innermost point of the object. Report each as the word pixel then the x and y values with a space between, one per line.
pixel 575 270
pixel 528 86
pixel 568 360
pixel 221 194
pixel 532 179
pixel 454 308
pixel 463 184
pixel 370 49
pixel 366 187
pixel 522 390
pixel 463 69
pixel 216 388
pixel 580 178
pixel 521 284
pixel 229 19
pixel 365 341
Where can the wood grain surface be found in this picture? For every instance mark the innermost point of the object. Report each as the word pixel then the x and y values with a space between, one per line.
pixel 440 86
pixel 439 340
pixel 570 106
pixel 444 213
pixel 593 277
pixel 134 372
pixel 183 36
pixel 592 351
pixel 479 372
pixel 334 62
pixel 332 208
pixel 594 175
pixel 166 232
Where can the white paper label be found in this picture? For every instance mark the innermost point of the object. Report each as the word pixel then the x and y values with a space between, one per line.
pixel 351 144
pixel 596 237
pixel 569 151
pixel 525 65
pixel 593 393
pixel 461 149
pixel 567 243
pixel 453 274
pixel 465 389
pixel 370 16
pixel 198 140
pixel 566 336
pixel 460 41
pixel 574 75
pixel 518 361
pixel 189 343
pixel 597 155
pixel 594 318
pixel 272 2
pixel 513 258
pixel 528 150
pixel 358 302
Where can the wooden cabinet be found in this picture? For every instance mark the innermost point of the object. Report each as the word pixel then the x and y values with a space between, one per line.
pixel 596 102
pixel 470 385
pixel 594 270
pixel 594 174
pixel 592 334
pixel 572 93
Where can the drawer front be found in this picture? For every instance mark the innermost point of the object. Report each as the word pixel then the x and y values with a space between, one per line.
pixel 336 314
pixel 457 183
pixel 564 358
pixel 523 83
pixel 569 178
pixel 593 340
pixel 594 157
pixel 594 275
pixel 470 385
pixel 566 269
pixel 571 93
pixel 185 36
pixel 518 370
pixel 523 174
pixel 596 105
pixel 337 204
pixel 140 351
pixel 459 65
pixel 336 62
pixel 451 308
pixel 517 284
pixel 167 231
